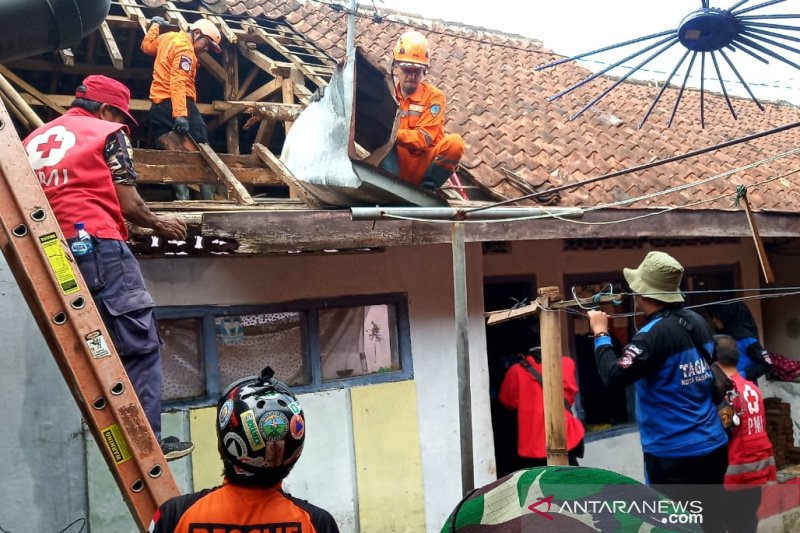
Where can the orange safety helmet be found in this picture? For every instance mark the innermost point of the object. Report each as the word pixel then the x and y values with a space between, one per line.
pixel 210 30
pixel 412 50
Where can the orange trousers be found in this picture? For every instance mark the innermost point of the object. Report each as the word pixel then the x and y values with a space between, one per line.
pixel 432 166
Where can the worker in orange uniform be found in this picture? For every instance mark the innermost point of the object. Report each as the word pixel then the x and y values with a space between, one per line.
pixel 173 90
pixel 423 154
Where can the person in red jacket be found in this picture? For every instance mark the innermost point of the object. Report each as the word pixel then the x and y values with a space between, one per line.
pixel 522 392
pixel 750 461
pixel 423 154
pixel 84 163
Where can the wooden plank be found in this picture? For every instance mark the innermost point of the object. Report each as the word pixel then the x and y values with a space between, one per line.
pixel 236 189
pixel 216 70
pixel 304 230
pixel 268 110
pixel 134 13
pixel 231 57
pixel 111 46
pixel 25 86
pixel 265 63
pixel 288 98
pixel 121 22
pixel 262 92
pixel 766 267
pixel 285 174
pixel 136 105
pixel 39 65
pixel 90 43
pixel 67 57
pixel 248 80
pixel 498 317
pixel 198 173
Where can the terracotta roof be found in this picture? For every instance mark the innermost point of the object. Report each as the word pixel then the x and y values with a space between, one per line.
pixel 498 103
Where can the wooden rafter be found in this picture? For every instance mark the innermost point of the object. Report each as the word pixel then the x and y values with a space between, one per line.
pixel 111 46
pixel 277 166
pixel 134 13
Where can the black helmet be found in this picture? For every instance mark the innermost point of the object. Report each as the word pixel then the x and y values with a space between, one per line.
pixel 260 427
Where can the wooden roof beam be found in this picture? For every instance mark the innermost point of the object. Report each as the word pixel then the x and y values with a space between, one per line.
pixel 111 46
pixel 65 100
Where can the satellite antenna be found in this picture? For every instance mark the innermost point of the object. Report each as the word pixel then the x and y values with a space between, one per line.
pixel 707 31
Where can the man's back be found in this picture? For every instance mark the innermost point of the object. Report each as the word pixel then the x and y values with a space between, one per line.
pixel 237 508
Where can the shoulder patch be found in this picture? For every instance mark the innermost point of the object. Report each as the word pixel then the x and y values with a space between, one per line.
pixel 435 108
pixel 185 63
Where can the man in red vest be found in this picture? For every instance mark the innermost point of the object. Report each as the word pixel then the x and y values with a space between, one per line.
pixel 750 461
pixel 83 160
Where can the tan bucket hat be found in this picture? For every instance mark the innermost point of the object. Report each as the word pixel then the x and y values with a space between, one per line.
pixel 658 277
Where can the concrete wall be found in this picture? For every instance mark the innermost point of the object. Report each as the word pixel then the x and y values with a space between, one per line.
pixel 425 274
pixel 43 471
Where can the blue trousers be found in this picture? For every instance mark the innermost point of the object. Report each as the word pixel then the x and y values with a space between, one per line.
pixel 115 280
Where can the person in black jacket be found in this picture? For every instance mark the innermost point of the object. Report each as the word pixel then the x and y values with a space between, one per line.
pixel 682 437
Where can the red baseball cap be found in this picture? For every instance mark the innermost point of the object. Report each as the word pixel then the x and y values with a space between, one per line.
pixel 106 91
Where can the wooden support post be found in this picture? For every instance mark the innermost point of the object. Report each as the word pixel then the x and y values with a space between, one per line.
pixel 766 267
pixel 288 98
pixel 111 46
pixel 552 379
pixel 462 358
pixel 231 59
pixel 90 43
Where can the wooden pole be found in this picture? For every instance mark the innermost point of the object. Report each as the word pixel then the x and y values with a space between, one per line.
pixel 462 358
pixel 766 267
pixel 552 380
pixel 14 97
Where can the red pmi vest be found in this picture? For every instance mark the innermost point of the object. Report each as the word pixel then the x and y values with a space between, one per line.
pixel 67 157
pixel 750 460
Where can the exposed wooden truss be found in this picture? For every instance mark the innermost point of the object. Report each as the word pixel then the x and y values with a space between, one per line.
pixel 267 69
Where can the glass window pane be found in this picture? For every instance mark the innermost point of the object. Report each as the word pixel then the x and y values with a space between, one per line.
pixel 356 341
pixel 248 343
pixel 181 359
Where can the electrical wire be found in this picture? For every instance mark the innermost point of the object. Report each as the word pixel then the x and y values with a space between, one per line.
pixel 619 203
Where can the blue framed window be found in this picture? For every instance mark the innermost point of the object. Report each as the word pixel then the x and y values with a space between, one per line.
pixel 311 345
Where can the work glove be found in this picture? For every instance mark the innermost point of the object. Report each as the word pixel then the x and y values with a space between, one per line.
pixel 161 21
pixel 181 125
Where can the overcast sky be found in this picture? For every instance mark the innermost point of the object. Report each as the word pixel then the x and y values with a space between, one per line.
pixel 570 27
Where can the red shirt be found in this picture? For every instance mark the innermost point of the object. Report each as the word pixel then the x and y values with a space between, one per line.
pixel 750 459
pixel 67 155
pixel 522 392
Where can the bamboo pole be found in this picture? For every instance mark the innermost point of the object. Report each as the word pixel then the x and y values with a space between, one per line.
pixel 552 379
pixel 14 97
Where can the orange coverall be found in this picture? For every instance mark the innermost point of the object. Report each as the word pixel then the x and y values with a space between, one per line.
pixel 174 69
pixel 420 136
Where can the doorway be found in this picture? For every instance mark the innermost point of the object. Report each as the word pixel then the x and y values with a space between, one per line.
pixel 503 342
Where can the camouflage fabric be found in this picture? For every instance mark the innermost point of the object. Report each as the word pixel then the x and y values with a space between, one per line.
pixel 561 498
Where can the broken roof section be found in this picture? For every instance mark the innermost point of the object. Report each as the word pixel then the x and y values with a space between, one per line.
pixel 517 142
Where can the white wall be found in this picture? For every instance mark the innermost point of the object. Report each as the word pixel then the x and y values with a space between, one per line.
pixel 43 471
pixel 425 274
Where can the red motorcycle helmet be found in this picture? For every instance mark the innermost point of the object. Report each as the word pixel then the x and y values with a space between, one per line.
pixel 260 427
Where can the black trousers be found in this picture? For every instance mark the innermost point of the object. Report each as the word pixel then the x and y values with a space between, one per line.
pixel 161 120
pixel 697 478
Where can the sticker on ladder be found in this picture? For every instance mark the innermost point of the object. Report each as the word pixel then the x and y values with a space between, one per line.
pixel 59 263
pixel 116 443
pixel 97 344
